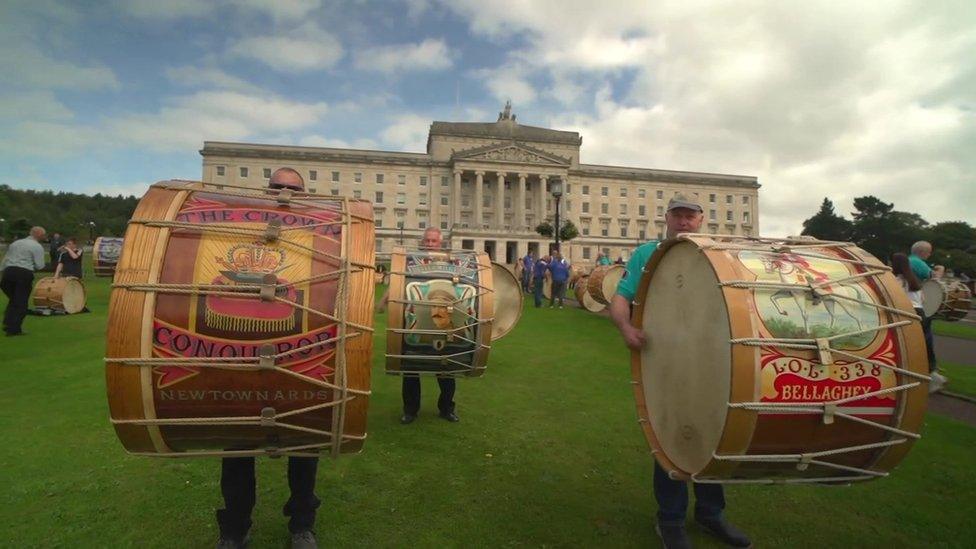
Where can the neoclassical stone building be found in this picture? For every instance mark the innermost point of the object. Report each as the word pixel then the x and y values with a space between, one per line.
pixel 487 186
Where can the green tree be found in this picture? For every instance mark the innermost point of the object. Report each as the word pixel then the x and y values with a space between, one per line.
pixel 827 225
pixel 882 231
pixel 567 232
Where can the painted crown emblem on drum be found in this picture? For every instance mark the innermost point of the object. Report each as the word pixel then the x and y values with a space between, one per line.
pixel 253 259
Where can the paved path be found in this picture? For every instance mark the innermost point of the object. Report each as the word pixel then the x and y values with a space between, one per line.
pixel 956 408
pixel 956 349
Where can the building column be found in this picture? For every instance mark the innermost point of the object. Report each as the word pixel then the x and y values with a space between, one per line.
pixel 479 199
pixel 500 201
pixel 541 198
pixel 523 248
pixel 456 200
pixel 520 204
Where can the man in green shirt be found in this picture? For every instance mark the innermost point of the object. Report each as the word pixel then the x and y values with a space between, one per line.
pixel 921 251
pixel 23 257
pixel 603 259
pixel 684 216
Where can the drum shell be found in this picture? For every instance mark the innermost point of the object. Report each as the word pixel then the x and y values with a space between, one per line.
pixel 956 300
pixel 581 290
pixel 508 300
pixel 105 255
pixel 137 319
pixel 602 282
pixel 66 293
pixel 747 432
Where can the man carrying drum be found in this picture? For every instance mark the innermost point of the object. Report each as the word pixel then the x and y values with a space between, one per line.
pixel 921 251
pixel 410 391
pixel 684 215
pixel 237 481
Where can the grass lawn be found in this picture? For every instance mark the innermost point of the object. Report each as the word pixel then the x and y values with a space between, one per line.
pixel 954 329
pixel 962 379
pixel 548 453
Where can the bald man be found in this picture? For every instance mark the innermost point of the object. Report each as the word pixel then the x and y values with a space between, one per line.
pixel 237 480
pixel 23 257
pixel 921 251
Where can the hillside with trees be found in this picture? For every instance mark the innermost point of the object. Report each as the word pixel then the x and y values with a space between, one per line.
pixel 70 214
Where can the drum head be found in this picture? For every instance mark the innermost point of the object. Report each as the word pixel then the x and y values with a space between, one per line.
pixel 933 294
pixel 73 295
pixel 686 364
pixel 508 301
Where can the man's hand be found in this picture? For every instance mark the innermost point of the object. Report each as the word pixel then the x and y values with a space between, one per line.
pixel 633 337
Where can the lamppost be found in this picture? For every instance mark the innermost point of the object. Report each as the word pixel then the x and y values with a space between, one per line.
pixel 2 227
pixel 91 232
pixel 400 226
pixel 557 193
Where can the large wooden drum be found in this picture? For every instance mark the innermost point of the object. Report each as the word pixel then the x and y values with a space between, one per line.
pixel 584 298
pixel 603 280
pixel 240 323
pixel 947 299
pixel 105 255
pixel 776 361
pixel 65 293
pixel 443 309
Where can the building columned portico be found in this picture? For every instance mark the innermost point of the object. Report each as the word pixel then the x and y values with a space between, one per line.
pixel 487 186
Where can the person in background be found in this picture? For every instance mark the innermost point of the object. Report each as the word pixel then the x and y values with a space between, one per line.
pixel 921 251
pixel 559 273
pixel 527 263
pixel 539 271
pixel 69 260
pixel 23 257
pixel 55 245
pixel 602 259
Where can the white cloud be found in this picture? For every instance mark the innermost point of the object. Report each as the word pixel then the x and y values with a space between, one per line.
pixel 168 10
pixel 136 189
pixel 428 55
pixel 322 141
pixel 215 115
pixel 50 140
pixel 281 10
pixel 508 82
pixel 407 132
pixel 206 77
pixel 25 66
pixel 36 105
pixel 307 49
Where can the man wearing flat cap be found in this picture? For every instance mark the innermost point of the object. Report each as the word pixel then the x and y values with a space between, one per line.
pixel 684 216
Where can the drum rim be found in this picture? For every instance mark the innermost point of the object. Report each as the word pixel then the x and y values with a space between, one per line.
pixel 514 283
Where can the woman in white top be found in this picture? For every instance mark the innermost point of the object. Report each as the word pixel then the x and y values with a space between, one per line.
pixel 913 287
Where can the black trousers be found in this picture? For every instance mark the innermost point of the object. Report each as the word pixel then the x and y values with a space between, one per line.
pixel 558 291
pixel 672 498
pixel 411 394
pixel 238 485
pixel 929 340
pixel 16 284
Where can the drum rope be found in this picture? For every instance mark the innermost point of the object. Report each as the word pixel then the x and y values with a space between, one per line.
pixel 442 373
pixel 857 262
pixel 814 289
pixel 784 480
pixel 273 195
pixel 270 451
pixel 342 304
pixel 806 459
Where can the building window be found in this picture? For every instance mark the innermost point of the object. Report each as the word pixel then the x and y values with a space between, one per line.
pixel 486 201
pixel 508 203
pixel 335 176
pixel 313 175
pixel 379 244
pixel 335 192
pixel 422 224
pixel 728 199
pixel 745 217
pixel 586 252
pixel 443 200
pixel 711 198
pixel 423 181
pixel 711 214
pixel 465 203
pixel 604 191
pixel 311 190
pixel 660 195
pixel 379 179
pixel 379 220
pixel 267 173
pixel 623 232
pixel 569 188
pixel 641 210
pixel 243 172
pixel 604 208
pixel 642 235
pixel 357 193
pixel 220 170
pixel 401 180
pixel 586 189
pixel 444 225
pixel 641 193
pixel 605 230
pixel 728 215
pixel 586 207
pixel 586 230
pixel 357 177
pixel 660 211
pixel 623 209
pixel 528 203
pixel 399 224
pixel 401 198
pixel 444 182
pixel 745 199
pixel 423 199
pixel 623 192
pixel 379 197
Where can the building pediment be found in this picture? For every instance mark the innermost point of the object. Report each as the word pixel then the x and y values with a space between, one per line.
pixel 512 153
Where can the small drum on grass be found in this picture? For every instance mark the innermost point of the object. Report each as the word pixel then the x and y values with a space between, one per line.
pixel 602 282
pixel 776 361
pixel 240 323
pixel 947 299
pixel 65 293
pixel 584 298
pixel 508 300
pixel 105 255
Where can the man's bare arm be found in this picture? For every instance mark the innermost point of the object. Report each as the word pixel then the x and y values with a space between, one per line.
pixel 620 315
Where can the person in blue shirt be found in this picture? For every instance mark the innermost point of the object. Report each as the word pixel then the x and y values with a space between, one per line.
pixel 538 278
pixel 527 262
pixel 684 215
pixel 559 271
pixel 921 251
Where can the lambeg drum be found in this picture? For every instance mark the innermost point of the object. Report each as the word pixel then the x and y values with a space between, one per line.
pixel 105 255
pixel 584 298
pixel 65 293
pixel 240 323
pixel 602 282
pixel 776 361
pixel 445 309
pixel 947 299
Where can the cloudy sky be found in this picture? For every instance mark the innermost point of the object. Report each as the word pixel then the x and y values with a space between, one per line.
pixel 836 99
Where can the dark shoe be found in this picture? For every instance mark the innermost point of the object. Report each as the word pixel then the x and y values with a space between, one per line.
pixel 721 529
pixel 450 416
pixel 304 540
pixel 11 334
pixel 231 543
pixel 673 536
pixel 407 418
